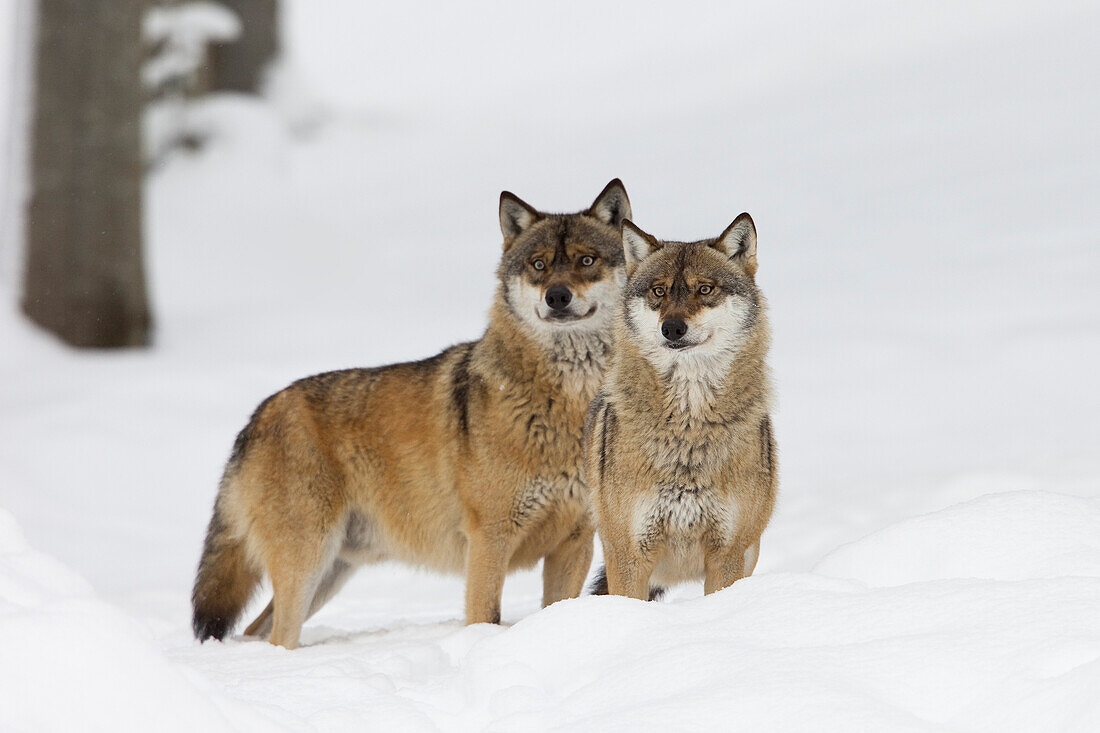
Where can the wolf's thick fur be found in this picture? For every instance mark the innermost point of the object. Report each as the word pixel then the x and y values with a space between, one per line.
pixel 679 447
pixel 469 461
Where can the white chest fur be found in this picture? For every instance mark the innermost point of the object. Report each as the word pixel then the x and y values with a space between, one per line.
pixel 676 524
pixel 684 514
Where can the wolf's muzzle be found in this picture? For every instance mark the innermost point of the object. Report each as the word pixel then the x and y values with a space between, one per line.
pixel 559 297
pixel 674 329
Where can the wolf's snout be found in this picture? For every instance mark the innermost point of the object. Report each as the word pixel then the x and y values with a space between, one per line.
pixel 674 329
pixel 558 297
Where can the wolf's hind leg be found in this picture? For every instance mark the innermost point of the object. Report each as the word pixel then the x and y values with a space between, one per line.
pixel 329 586
pixel 296 577
pixel 564 569
pixel 261 625
pixel 337 575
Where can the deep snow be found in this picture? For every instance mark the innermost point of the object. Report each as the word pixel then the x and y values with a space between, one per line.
pixel 924 181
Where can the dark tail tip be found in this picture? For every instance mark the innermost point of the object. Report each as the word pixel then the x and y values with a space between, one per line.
pixel 598 586
pixel 208 626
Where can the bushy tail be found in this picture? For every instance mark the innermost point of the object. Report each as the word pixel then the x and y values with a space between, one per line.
pixel 599 586
pixel 225 582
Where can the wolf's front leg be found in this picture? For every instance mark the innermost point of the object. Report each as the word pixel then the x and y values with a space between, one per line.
pixel 628 570
pixel 724 567
pixel 487 557
pixel 751 556
pixel 566 567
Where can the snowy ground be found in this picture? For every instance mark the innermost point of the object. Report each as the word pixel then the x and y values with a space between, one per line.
pixel 925 182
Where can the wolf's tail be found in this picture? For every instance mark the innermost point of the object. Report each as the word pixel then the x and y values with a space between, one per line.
pixel 599 586
pixel 225 581
pixel 227 576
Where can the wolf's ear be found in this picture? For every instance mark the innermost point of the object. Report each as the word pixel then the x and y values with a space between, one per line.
pixel 739 242
pixel 612 205
pixel 515 217
pixel 637 245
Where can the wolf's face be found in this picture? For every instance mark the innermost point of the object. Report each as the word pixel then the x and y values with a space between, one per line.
pixel 691 303
pixel 563 274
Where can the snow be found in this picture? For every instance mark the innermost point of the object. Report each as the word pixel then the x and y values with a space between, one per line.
pixel 181 36
pixel 924 181
pixel 182 33
pixel 71 660
pixel 915 658
pixel 1018 535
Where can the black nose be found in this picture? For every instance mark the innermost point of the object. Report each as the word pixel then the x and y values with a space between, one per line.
pixel 674 329
pixel 558 297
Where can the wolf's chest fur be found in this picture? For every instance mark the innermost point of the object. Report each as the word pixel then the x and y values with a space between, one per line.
pixel 547 413
pixel 548 424
pixel 688 456
pixel 677 523
pixel 685 513
pixel 564 492
pixel 551 440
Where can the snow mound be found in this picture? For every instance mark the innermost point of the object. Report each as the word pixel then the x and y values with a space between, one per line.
pixel 29 579
pixel 1018 649
pixel 788 652
pixel 1009 536
pixel 71 662
pixel 773 652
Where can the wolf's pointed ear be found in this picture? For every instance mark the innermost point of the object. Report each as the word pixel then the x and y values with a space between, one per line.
pixel 515 217
pixel 637 245
pixel 612 205
pixel 739 242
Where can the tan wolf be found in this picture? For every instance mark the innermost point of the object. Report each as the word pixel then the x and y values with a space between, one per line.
pixel 680 455
pixel 469 461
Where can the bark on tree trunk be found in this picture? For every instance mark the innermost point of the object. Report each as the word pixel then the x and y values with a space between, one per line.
pixel 85 275
pixel 239 66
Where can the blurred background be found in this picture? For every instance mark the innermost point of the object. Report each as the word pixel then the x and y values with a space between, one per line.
pixel 204 200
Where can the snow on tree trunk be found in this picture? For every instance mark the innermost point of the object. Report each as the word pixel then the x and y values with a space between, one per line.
pixel 85 276
pixel 239 66
pixel 178 36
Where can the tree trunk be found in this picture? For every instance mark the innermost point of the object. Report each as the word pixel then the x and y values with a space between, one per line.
pixel 85 276
pixel 239 66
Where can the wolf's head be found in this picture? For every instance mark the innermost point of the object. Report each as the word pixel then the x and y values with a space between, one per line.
pixel 692 304
pixel 562 274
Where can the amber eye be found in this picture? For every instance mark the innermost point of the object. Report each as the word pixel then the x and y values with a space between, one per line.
pixel 658 291
pixel 706 289
pixel 538 265
pixel 588 260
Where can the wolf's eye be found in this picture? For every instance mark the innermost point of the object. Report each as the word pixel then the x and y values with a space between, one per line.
pixel 658 291
pixel 588 260
pixel 705 289
pixel 538 265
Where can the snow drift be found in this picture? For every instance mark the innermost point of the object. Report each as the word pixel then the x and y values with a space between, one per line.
pixel 1017 535
pixel 72 662
pixel 977 636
